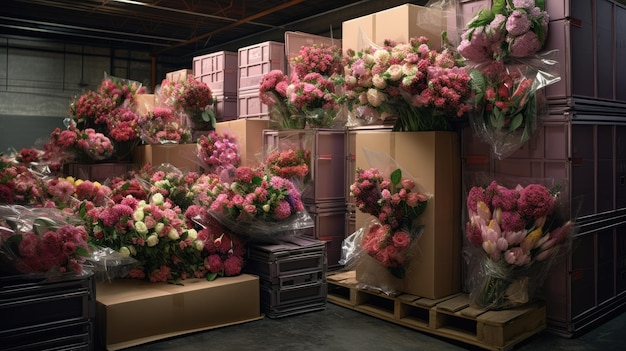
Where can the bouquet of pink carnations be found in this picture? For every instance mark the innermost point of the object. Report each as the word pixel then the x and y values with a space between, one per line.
pixel 194 98
pixel 519 233
pixel 41 240
pixel 257 205
pixel 163 125
pixel 18 184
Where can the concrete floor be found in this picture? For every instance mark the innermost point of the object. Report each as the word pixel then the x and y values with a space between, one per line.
pixel 338 328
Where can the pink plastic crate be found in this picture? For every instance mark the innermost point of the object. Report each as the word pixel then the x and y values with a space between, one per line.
pixel 249 104
pixel 258 59
pixel 328 165
pixel 226 108
pixel 218 70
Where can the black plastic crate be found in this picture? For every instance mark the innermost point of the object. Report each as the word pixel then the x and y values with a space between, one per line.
pixel 288 257
pixel 273 297
pixel 297 279
pixel 33 300
pixel 54 336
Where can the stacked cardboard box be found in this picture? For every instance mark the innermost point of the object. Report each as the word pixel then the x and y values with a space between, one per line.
pixel 292 275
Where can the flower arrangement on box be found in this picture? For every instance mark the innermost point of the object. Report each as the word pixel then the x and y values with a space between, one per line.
pixel 174 185
pixel 519 233
pixel 73 144
pixel 309 95
pixel 416 87
pixel 397 205
pixel 194 98
pixel 218 153
pixel 36 240
pixel 501 47
pixel 110 112
pixel 256 204
pixel 163 125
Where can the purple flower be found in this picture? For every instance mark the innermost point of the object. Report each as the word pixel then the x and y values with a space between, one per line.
pixel 525 45
pixel 518 23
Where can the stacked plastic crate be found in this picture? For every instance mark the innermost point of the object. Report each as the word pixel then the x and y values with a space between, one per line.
pixel 219 71
pixel 292 275
pixel 254 62
pixel 582 142
pixel 51 314
pixel 324 194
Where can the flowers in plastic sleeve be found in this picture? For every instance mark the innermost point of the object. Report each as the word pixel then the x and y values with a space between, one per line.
pixel 218 153
pixel 509 29
pixel 256 204
pixel 163 125
pixel 41 241
pixel 519 232
pixel 413 86
pixel 396 204
pixel 192 96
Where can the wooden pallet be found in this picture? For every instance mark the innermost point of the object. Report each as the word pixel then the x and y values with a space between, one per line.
pixel 450 317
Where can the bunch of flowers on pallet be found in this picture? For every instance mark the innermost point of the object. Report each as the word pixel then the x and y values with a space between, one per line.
pixel 519 233
pixel 410 84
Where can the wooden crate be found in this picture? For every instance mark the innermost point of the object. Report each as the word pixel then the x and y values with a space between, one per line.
pixel 450 317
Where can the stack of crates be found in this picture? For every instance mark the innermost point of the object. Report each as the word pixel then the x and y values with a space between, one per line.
pixel 255 61
pixel 292 275
pixel 218 71
pixel 52 314
pixel 324 194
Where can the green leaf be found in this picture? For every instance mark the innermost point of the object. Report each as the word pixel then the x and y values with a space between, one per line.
pixel 211 276
pixel 498 7
pixel 126 186
pixel 396 176
pixel 81 251
pixel 516 122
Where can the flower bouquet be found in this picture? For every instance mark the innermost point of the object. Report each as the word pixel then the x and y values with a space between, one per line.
pixel 408 84
pixel 18 184
pixel 273 93
pixel 219 154
pixel 42 241
pixel 194 98
pixel 519 233
pixel 397 205
pixel 163 125
pixel 509 102
pixel 257 205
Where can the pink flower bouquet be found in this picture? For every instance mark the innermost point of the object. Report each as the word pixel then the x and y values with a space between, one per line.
pixel 396 204
pixel 194 98
pixel 18 184
pixel 42 241
pixel 163 125
pixel 519 233
pixel 257 205
pixel 219 153
pixel 409 84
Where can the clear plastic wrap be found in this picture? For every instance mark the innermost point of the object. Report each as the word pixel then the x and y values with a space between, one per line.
pixel 509 101
pixel 515 234
pixel 41 240
pixel 164 125
pixel 218 154
pixel 395 201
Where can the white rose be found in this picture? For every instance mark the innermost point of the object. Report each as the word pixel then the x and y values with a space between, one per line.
pixel 409 69
pixel 363 98
pixel 369 59
pixel 375 97
pixel 395 72
pixel 199 245
pixel 124 251
pixel 173 234
pixel 379 82
pixel 152 240
pixel 133 250
pixel 141 228
pixel 192 234
pixel 350 80
pixel 158 228
pixel 157 199
pixel 382 55
pixel 141 204
pixel 138 214
pixel 266 208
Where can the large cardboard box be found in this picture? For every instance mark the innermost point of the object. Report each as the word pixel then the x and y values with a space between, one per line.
pixel 132 312
pixel 178 76
pixel 433 160
pixel 248 135
pixel 399 23
pixel 181 156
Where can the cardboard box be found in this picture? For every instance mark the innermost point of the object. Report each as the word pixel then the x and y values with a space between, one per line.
pixel 248 135
pixel 433 160
pixel 399 23
pixel 132 312
pixel 178 76
pixel 181 156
